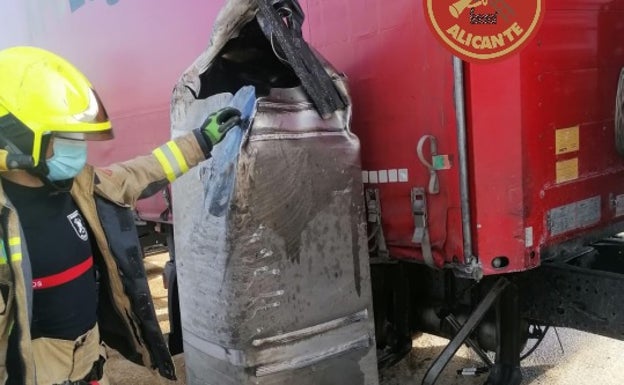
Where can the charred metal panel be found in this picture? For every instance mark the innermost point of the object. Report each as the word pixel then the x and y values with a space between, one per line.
pixel 272 257
pixel 271 244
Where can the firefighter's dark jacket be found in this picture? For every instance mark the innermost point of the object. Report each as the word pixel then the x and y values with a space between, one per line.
pixel 105 197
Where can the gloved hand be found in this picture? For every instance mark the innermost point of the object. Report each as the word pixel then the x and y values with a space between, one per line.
pixel 219 123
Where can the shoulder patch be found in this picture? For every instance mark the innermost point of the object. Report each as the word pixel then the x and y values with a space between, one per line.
pixel 78 224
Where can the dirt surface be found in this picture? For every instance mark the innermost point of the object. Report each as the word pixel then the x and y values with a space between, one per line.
pixel 574 358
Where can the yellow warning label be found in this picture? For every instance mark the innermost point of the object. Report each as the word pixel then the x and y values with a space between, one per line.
pixel 567 170
pixel 567 140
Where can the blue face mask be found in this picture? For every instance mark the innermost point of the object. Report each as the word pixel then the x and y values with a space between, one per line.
pixel 70 157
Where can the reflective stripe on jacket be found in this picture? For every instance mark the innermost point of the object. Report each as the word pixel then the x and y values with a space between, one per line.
pixel 105 197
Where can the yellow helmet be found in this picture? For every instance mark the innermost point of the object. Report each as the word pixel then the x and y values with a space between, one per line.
pixel 41 94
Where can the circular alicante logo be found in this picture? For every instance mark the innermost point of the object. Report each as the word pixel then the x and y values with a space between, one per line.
pixel 484 30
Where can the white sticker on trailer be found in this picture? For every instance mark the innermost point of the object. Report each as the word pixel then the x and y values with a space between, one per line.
pixel 574 216
pixel 403 175
pixel 372 177
pixel 383 176
pixel 528 237
pixel 393 176
pixel 619 205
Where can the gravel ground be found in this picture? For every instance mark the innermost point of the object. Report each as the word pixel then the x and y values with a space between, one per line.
pixel 580 359
pixel 586 359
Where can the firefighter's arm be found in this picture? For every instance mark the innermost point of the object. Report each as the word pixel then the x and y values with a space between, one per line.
pixel 129 181
pixel 126 182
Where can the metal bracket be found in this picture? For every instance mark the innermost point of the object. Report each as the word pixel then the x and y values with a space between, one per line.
pixel 434 371
pixel 616 204
pixel 470 270
pixel 373 207
pixel 452 320
pixel 421 229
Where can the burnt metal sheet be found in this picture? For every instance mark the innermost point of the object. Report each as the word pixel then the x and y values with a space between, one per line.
pixel 271 244
pixel 271 250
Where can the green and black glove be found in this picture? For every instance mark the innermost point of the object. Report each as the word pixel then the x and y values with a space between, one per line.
pixel 217 124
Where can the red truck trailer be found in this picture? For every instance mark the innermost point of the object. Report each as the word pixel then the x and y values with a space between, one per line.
pixel 494 191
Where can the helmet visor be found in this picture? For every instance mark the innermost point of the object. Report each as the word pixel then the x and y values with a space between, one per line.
pixel 99 135
pixel 95 111
pixel 95 114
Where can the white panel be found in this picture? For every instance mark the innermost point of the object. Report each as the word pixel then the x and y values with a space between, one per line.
pixel 393 176
pixel 403 177
pixel 619 205
pixel 528 237
pixel 383 176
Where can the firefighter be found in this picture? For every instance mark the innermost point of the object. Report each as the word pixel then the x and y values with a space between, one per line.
pixel 71 271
